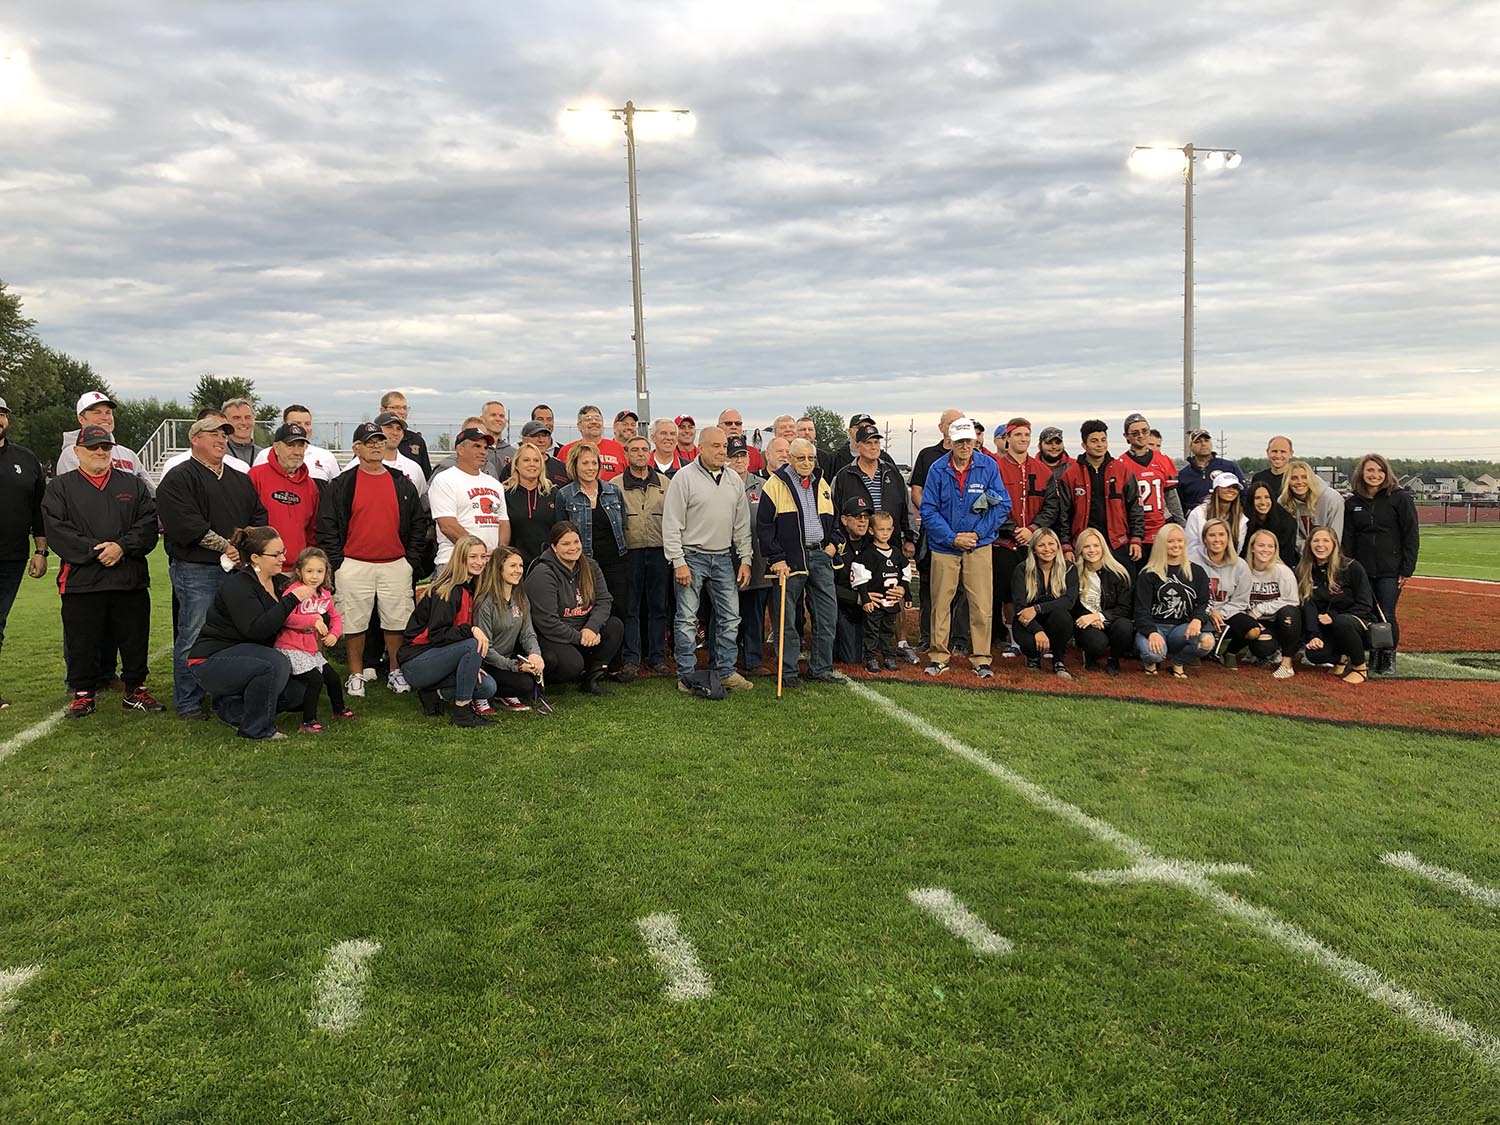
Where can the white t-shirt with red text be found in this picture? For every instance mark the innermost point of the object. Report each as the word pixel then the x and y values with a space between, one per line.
pixel 475 500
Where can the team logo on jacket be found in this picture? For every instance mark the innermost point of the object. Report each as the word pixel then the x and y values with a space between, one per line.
pixel 1079 490
pixel 283 496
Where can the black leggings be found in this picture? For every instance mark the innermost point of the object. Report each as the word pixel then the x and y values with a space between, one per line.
pixel 1114 640
pixel 1057 624
pixel 512 684
pixel 328 677
pixel 1236 629
pixel 1344 639
pixel 1281 632
pixel 568 662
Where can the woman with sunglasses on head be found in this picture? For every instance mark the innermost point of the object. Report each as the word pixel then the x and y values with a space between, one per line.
pixel 1338 605
pixel 233 658
pixel 1381 531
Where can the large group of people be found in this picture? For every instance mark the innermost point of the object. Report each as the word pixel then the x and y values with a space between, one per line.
pixel 506 570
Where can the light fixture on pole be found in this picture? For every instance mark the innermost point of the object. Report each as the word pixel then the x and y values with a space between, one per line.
pixel 1175 159
pixel 627 114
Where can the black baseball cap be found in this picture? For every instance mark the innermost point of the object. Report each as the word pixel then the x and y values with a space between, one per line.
pixel 866 432
pixel 860 419
pixel 291 433
pixel 534 427
pixel 367 433
pixel 737 446
pixel 631 414
pixel 474 433
pixel 855 506
pixel 1132 419
pixel 385 418
pixel 93 436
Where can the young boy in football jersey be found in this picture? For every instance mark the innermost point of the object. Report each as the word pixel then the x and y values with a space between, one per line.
pixel 884 595
pixel 848 638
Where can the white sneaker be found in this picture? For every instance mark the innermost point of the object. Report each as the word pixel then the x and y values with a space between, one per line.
pixel 1283 673
pixel 397 684
pixel 355 686
pixel 368 675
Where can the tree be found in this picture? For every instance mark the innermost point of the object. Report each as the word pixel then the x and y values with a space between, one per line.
pixel 832 432
pixel 215 390
pixel 41 397
pixel 17 341
pixel 136 419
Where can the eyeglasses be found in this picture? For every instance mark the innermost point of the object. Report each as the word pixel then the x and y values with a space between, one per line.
pixel 1138 432
pixel 281 554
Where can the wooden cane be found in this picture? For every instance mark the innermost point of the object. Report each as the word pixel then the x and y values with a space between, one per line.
pixel 781 637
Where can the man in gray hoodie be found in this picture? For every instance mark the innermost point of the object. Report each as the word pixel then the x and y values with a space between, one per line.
pixel 705 515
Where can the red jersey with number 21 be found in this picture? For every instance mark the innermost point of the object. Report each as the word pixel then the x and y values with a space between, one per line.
pixel 1153 479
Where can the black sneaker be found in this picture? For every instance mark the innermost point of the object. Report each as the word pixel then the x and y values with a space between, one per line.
pixel 1034 663
pixel 892 664
pixel 466 717
pixel 1113 667
pixel 81 707
pixel 872 664
pixel 432 706
pixel 139 699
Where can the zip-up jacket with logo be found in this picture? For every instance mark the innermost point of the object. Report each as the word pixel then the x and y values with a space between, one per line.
pixel 1067 508
pixel 947 511
pixel 78 514
pixel 778 522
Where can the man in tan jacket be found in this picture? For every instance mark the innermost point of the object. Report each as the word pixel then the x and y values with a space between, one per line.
pixel 650 579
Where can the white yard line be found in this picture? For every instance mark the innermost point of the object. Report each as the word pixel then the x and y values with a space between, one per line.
pixel 44 726
pixel 1444 670
pixel 1453 880
pixel 960 921
pixel 340 987
pixel 675 958
pixel 1196 878
pixel 12 981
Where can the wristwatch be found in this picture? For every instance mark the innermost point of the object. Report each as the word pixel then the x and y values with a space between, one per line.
pixel 40 551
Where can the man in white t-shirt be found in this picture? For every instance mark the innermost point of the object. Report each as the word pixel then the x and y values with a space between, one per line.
pixel 394 429
pixel 321 463
pixel 465 500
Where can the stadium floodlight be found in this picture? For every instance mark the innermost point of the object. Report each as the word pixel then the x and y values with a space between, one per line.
pixel 15 73
pixel 596 122
pixel 1180 159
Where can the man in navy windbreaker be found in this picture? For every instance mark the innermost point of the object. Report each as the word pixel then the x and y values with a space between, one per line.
pixel 964 505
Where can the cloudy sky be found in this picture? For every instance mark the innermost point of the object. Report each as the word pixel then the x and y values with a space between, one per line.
pixel 896 207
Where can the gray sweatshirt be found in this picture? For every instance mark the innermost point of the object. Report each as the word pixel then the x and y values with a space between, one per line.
pixel 702 516
pixel 1272 590
pixel 1228 586
pixel 509 630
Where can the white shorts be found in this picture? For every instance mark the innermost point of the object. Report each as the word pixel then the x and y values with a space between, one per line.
pixel 358 586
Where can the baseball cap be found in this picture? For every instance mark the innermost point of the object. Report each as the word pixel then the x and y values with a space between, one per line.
pixel 860 420
pixel 385 418
pixel 532 428
pixel 1196 434
pixel 1132 419
pixel 1225 479
pixel 1051 433
pixel 291 432
pixel 855 506
pixel 92 398
pixel 92 436
pixel 3 408
pixel 681 418
pixel 367 433
pixel 866 433
pixel 738 447
pixel 962 429
pixel 204 425
pixel 631 414
pixel 474 433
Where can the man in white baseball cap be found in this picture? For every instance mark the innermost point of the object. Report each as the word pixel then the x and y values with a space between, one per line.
pixel 95 408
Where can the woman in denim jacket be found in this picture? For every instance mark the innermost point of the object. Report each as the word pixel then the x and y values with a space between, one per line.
pixel 597 508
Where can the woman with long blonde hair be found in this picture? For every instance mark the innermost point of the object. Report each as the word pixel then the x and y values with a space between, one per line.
pixel 530 501
pixel 1104 618
pixel 1044 591
pixel 1171 606
pixel 443 648
pixel 1338 605
pixel 1275 604
pixel 1311 502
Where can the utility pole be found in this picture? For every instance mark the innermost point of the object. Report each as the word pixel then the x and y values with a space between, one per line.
pixel 911 440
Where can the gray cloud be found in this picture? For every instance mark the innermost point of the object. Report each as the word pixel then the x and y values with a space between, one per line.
pixel 895 208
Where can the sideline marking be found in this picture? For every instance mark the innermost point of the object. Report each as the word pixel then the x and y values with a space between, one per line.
pixel 12 981
pixel 1171 871
pixel 341 985
pixel 1286 934
pixel 44 726
pixel 675 958
pixel 960 921
pixel 1453 880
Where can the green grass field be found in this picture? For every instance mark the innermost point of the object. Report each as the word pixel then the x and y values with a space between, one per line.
pixel 1461 552
pixel 179 889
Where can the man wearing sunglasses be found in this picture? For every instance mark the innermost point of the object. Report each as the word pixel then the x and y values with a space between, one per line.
pixel 1155 477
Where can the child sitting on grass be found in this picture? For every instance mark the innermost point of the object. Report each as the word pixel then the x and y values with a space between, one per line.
pixel 884 594
pixel 302 634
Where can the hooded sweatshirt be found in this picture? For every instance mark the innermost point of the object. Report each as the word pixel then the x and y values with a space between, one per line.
pixel 1229 585
pixel 558 612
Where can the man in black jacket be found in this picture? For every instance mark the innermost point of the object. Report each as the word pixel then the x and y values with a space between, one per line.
pixel 102 524
pixel 22 482
pixel 373 529
pixel 201 503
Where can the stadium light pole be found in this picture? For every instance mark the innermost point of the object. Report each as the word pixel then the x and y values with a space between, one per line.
pixel 1183 158
pixel 627 114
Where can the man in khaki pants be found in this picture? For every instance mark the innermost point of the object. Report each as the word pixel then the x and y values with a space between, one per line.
pixel 964 504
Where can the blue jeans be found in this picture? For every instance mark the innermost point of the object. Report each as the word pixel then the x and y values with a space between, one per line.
pixel 247 681
pixel 1176 638
pixel 456 668
pixel 823 607
pixel 649 586
pixel 714 574
pixel 194 587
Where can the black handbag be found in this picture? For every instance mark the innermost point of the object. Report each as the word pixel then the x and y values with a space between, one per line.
pixel 1382 633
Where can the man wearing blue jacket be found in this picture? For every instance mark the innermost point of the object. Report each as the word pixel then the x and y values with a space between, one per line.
pixel 964 504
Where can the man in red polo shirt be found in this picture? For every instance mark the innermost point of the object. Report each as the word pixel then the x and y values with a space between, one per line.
pixel 687 437
pixel 591 429
pixel 289 493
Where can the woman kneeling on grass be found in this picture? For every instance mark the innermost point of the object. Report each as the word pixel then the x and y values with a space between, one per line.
pixel 1228 593
pixel 443 648
pixel 1274 603
pixel 1171 606
pixel 1104 621
pixel 232 658
pixel 570 606
pixel 1045 594
pixel 514 659
pixel 1338 605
